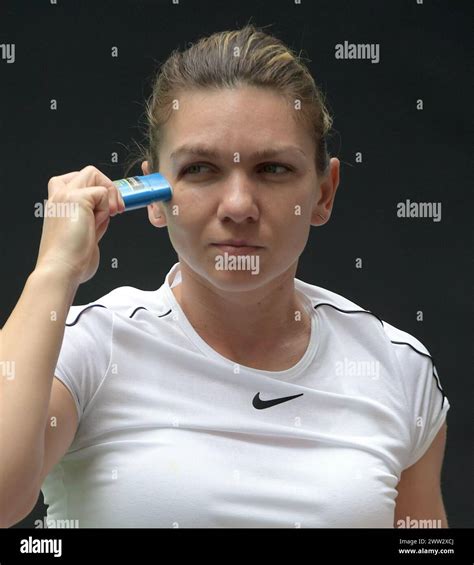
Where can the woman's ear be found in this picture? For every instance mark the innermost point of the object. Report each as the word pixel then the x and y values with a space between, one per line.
pixel 156 215
pixel 327 191
pixel 145 168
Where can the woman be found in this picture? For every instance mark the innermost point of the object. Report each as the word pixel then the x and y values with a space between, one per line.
pixel 234 395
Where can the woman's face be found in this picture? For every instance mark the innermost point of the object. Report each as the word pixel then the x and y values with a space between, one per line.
pixel 270 201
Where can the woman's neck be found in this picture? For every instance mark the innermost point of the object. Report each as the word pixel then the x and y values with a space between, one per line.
pixel 247 322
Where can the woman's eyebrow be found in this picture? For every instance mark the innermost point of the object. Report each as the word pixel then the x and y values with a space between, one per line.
pixel 208 151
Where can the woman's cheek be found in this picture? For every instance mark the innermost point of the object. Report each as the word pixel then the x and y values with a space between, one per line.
pixel 186 223
pixel 189 205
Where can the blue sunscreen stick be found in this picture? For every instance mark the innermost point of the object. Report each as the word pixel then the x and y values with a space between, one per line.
pixel 139 191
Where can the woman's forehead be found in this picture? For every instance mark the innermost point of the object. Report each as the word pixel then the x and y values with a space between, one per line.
pixel 204 127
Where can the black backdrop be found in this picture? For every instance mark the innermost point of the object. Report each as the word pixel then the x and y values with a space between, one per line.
pixel 63 52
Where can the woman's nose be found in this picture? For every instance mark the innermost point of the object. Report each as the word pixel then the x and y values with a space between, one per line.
pixel 237 199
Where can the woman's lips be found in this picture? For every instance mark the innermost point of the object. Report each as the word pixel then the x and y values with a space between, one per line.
pixel 237 250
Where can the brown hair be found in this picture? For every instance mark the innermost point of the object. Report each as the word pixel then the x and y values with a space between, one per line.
pixel 228 59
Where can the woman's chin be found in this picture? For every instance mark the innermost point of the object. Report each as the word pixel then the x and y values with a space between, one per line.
pixel 247 277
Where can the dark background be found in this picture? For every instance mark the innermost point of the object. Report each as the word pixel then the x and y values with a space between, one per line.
pixel 63 52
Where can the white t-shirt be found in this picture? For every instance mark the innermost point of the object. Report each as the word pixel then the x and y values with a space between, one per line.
pixel 171 433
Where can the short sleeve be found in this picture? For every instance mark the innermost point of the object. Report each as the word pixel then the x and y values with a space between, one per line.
pixel 427 402
pixel 85 352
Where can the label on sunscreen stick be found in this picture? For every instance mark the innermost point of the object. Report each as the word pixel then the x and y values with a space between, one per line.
pixel 139 191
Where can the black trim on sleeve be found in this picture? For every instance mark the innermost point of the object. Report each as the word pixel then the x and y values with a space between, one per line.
pixel 349 311
pixel 143 308
pixel 82 311
pixel 438 384
pixel 136 310
pixel 163 315
pixel 102 306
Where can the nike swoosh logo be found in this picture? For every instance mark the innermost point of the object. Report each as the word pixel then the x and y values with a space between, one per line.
pixel 259 404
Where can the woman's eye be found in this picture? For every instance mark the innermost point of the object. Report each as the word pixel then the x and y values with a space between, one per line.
pixel 187 169
pixel 287 169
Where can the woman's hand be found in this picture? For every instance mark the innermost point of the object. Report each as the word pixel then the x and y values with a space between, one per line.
pixel 69 243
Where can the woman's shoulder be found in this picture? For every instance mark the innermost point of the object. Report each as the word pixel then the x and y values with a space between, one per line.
pixel 336 303
pixel 321 296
